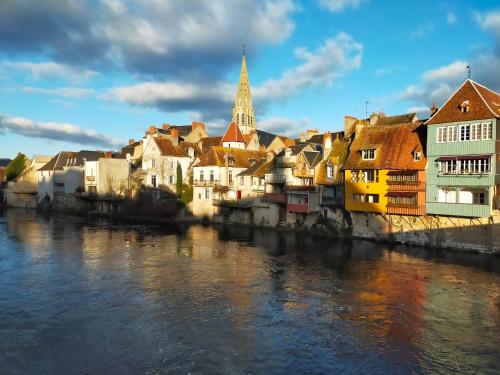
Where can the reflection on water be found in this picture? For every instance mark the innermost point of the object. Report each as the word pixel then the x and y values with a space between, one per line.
pixel 81 297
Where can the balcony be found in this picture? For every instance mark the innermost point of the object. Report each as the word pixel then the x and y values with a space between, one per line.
pixel 332 201
pixel 298 208
pixel 205 182
pixel 90 178
pixel 275 178
pixel 405 186
pixel 403 209
pixel 301 188
pixel 303 172
pixel 275 198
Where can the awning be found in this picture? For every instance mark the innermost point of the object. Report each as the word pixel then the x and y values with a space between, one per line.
pixel 465 157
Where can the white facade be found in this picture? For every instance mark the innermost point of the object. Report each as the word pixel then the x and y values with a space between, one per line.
pixel 161 170
pixel 107 176
pixel 66 180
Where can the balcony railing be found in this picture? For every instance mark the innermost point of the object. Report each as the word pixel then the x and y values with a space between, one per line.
pixel 275 198
pixel 298 208
pixel 300 188
pixel 205 182
pixel 406 186
pixel 403 209
pixel 275 178
pixel 90 178
pixel 332 201
pixel 302 173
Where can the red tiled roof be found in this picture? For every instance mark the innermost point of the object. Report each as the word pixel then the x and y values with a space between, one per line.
pixel 483 104
pixel 393 144
pixel 233 134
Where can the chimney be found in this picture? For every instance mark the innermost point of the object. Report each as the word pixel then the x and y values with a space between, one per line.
pixel 165 126
pixel 311 132
pixel 374 118
pixel 349 128
pixel 174 136
pixel 327 142
pixel 152 129
pixel 108 154
pixel 434 109
pixel 196 125
pixel 131 141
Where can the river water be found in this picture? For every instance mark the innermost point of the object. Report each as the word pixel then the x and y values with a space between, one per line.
pixel 90 298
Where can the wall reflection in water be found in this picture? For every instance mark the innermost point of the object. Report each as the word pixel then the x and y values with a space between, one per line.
pixel 82 296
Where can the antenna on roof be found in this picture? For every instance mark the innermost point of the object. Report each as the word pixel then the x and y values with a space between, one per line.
pixel 366 108
pixel 468 71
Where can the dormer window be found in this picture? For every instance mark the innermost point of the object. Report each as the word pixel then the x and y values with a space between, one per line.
pixel 417 155
pixel 329 171
pixel 368 154
pixel 288 153
pixel 252 162
pixel 464 107
pixel 230 160
pixel 190 152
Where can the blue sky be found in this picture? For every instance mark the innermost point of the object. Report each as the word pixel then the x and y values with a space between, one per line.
pixel 92 74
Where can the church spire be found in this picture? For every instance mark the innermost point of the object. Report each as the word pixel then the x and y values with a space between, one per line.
pixel 243 113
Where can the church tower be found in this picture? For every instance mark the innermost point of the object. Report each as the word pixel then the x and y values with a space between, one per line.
pixel 243 113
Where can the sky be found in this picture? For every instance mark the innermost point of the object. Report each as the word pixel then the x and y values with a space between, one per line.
pixel 92 74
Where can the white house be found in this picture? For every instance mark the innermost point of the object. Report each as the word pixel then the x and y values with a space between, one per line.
pixel 161 156
pixel 64 173
pixel 107 176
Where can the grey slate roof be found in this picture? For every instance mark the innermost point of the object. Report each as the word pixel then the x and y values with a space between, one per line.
pixel 265 138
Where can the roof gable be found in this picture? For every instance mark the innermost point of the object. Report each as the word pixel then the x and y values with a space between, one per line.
pixel 233 134
pixel 483 103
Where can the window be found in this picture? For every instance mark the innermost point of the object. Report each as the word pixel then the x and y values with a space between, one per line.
pixel 354 176
pixel 242 180
pixel 403 177
pixel 464 107
pixel 452 133
pixel 207 194
pixel 170 179
pixel 475 132
pixel 237 118
pixel 369 175
pixel 211 176
pixel 190 152
pixel 153 181
pixel 403 200
pixel 479 197
pixel 368 154
pixel 417 155
pixel 242 119
pixel 441 134
pixel 230 177
pixel 464 133
pixel 486 130
pixel 358 198
pixel 372 198
pixel 171 164
pixel 93 189
pixel 466 166
pixel 202 176
pixel 153 163
pixel 329 171
pixel 91 171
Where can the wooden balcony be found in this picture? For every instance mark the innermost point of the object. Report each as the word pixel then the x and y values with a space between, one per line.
pixel 404 209
pixel 298 208
pixel 332 201
pixel 275 178
pixel 301 188
pixel 275 198
pixel 405 186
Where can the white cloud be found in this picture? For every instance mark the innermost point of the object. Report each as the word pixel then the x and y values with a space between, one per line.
pixel 284 126
pixel 67 92
pixel 55 131
pixel 453 71
pixel 451 18
pixel 48 70
pixel 489 21
pixel 338 6
pixel 336 57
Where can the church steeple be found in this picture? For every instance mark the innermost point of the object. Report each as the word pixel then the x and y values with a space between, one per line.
pixel 243 113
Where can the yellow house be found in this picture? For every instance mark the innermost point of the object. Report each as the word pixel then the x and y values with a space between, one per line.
pixel 385 170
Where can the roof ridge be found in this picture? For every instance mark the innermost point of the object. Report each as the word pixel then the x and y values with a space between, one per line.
pixel 485 102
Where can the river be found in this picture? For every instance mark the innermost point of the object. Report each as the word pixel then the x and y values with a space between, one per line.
pixel 91 298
